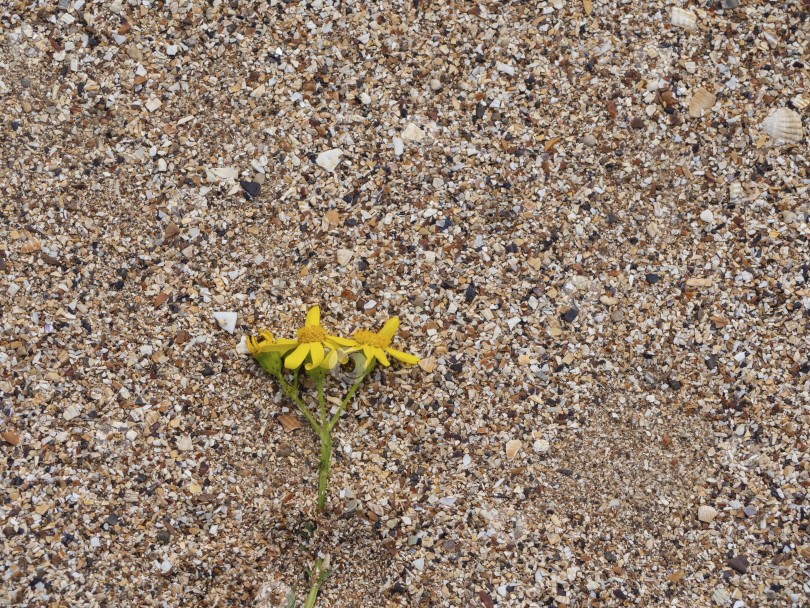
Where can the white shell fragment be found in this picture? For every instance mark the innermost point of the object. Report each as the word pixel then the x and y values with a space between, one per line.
pixel 801 102
pixel 784 125
pixel 512 448
pixel 330 159
pixel 219 173
pixel 706 513
pixel 72 411
pixel 702 100
pixel 707 216
pixel 399 146
pixel 734 191
pixel 682 18
pixel 226 320
pixel 343 256
pixel 412 133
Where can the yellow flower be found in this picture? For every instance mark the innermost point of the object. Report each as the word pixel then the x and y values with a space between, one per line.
pixel 268 352
pixel 375 346
pixel 311 341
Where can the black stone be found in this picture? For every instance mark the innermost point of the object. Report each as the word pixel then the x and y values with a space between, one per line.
pixel 112 519
pixel 653 278
pixel 164 537
pixel 620 594
pixel 470 293
pixel 208 371
pixel 251 189
pixel 570 315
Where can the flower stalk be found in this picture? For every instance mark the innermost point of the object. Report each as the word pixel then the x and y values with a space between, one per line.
pixel 318 354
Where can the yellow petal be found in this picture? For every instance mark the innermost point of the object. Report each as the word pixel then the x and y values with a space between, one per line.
pixel 380 354
pixel 313 316
pixel 390 328
pixel 297 357
pixel 404 357
pixel 340 341
pixel 277 347
pixel 316 351
pixel 266 335
pixel 331 359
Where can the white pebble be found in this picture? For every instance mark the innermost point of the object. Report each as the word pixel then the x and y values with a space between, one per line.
pixel 399 146
pixel 707 216
pixel 184 443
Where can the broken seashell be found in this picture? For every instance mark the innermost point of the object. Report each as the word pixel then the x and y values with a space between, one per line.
pixel 150 418
pixel 513 447
pixel 343 256
pixel 30 246
pixel 702 99
pixel 784 125
pixel 682 18
pixel 226 320
pixel 734 191
pixel 706 513
pixel 801 102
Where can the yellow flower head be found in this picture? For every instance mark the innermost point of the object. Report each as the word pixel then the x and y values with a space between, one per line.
pixel 377 345
pixel 311 341
pixel 267 351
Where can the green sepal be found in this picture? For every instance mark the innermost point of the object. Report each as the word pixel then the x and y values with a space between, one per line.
pixel 270 362
pixel 317 373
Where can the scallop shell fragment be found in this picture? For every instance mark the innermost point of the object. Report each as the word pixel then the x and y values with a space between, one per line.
pixel 706 513
pixel 801 102
pixel 784 125
pixel 702 100
pixel 682 18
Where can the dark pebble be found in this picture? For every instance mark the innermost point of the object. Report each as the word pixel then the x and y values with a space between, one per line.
pixel 251 189
pixel 570 315
pixel 164 537
pixel 208 371
pixel 620 594
pixel 470 293
pixel 739 563
pixel 652 278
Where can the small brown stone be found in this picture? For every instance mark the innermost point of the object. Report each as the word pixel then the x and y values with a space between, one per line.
pixel 637 122
pixel 171 230
pixel 10 437
pixel 739 563
pixel 161 298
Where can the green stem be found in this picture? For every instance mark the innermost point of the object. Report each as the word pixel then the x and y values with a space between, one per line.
pixel 323 470
pixel 342 407
pixel 326 448
pixel 306 412
pixel 317 576
pixel 319 382
pixel 291 390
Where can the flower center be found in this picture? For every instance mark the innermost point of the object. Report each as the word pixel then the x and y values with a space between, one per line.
pixel 311 333
pixel 369 337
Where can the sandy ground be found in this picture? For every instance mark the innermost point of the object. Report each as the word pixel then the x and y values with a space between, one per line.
pixel 591 219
